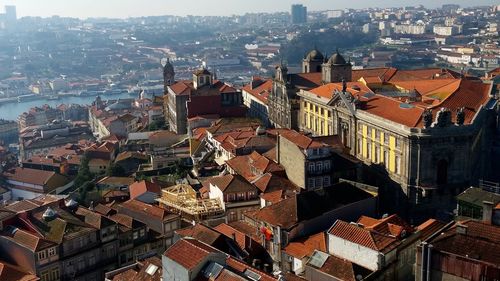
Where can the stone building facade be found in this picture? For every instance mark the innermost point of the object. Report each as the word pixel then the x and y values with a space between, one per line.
pixel 284 106
pixel 428 144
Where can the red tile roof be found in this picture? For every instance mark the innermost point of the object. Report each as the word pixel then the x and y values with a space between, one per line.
pixel 229 231
pixel 283 213
pixel 138 188
pixel 363 237
pixel 304 247
pixel 302 141
pixel 200 232
pixel 32 176
pixel 9 272
pixel 230 183
pixel 189 253
pixel 481 242
pixel 262 91
pixel 182 88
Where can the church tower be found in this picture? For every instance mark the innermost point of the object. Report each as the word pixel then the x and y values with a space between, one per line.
pixel 312 62
pixel 336 69
pixel 168 74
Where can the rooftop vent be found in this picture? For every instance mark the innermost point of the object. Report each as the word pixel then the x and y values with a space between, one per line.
pixel 49 214
pixel 71 204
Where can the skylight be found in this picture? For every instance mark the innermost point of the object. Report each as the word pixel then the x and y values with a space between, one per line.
pixel 151 270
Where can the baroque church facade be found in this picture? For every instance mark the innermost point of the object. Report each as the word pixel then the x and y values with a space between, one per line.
pixel 317 69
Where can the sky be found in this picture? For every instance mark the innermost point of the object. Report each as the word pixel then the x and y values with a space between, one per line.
pixel 135 8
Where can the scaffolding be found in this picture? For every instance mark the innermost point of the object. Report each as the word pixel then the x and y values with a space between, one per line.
pixel 182 199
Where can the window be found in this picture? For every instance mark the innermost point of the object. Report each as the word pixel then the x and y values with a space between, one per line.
pixel 311 167
pixel 326 181
pixel 319 182
pixel 398 165
pixel 319 167
pixel 327 165
pixel 386 158
pixel 142 232
pixel 42 255
pixel 241 196
pixel 310 183
pixel 52 252
pixel 54 275
pixel 91 260
pixel 81 264
pixel 45 276
pixel 369 151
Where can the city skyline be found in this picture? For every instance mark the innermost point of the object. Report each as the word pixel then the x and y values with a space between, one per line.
pixel 134 8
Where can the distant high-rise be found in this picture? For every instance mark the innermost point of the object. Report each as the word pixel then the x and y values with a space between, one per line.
pixel 299 14
pixel 10 14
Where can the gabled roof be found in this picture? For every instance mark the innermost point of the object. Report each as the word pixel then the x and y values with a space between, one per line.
pixel 231 184
pixel 200 232
pixel 283 213
pixel 304 247
pixel 36 177
pixel 478 241
pixel 302 141
pixel 138 188
pixel 363 237
pixel 190 253
pixel 262 90
pixel 9 272
pixel 391 225
pixel 93 218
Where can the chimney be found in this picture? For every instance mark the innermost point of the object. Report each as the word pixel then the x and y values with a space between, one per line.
pixel 234 236
pixel 461 229
pixel 487 211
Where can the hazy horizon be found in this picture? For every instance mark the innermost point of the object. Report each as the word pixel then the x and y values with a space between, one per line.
pixel 136 8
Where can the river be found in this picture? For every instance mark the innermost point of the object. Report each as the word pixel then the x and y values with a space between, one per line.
pixel 10 111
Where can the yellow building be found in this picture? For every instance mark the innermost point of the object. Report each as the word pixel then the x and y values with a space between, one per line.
pixel 424 130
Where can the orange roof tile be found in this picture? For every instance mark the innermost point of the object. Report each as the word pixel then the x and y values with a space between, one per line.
pixel 304 247
pixel 189 253
pixel 364 237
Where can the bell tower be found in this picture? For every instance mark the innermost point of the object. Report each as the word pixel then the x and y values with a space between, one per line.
pixel 168 74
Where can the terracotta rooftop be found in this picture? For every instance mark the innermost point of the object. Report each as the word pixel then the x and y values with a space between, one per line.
pixel 138 188
pixel 432 89
pixel 189 253
pixel 302 141
pixel 147 210
pixel 230 183
pixel 9 272
pixel 304 247
pixel 36 177
pixel 261 90
pixel 200 232
pixel 363 237
pixel 341 269
pixel 478 241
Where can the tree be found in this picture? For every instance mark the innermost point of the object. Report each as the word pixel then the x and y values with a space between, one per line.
pixel 83 178
pixel 115 170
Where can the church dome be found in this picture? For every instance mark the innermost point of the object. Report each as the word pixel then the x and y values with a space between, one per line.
pixel 337 58
pixel 315 55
